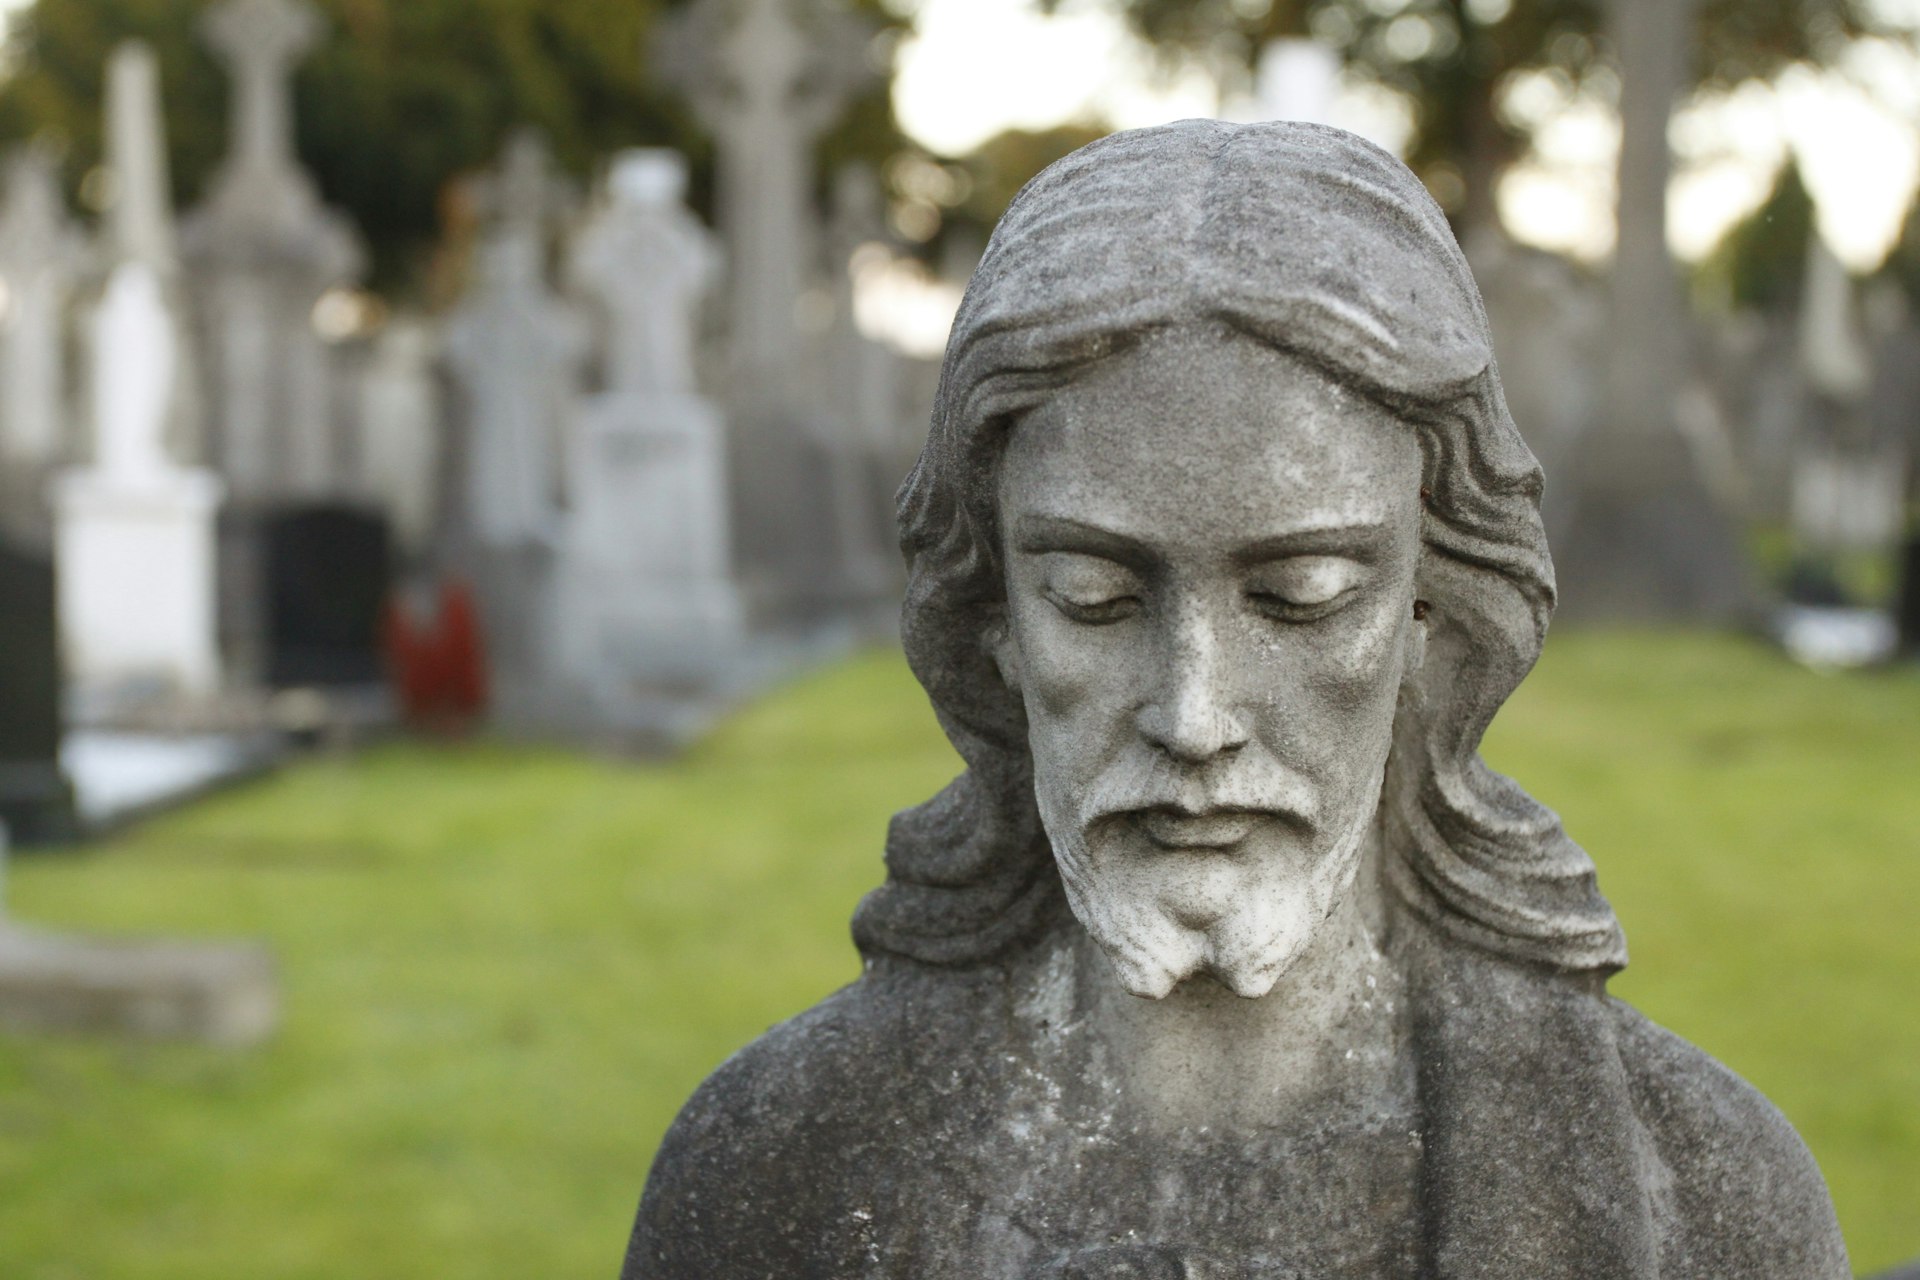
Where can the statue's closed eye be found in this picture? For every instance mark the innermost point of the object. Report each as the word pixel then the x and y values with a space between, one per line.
pixel 1090 589
pixel 1303 588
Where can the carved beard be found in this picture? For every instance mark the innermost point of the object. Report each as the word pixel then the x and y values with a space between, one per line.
pixel 1162 916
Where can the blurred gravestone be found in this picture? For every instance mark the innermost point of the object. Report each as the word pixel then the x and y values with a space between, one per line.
pixel 134 532
pixel 517 355
pixel 329 574
pixel 865 398
pixel 1644 536
pixel 645 587
pixel 262 251
pixel 768 78
pixel 401 452
pixel 36 801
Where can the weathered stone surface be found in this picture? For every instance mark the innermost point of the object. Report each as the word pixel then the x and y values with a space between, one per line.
pixel 1228 956
pixel 161 990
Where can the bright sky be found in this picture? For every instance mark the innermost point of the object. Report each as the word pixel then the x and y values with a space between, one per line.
pixel 975 67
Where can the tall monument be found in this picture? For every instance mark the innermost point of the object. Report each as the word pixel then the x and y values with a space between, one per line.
pixel 645 591
pixel 134 537
pixel 1645 538
pixel 768 78
pixel 263 250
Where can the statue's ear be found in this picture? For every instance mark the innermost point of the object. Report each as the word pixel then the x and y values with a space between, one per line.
pixel 1004 651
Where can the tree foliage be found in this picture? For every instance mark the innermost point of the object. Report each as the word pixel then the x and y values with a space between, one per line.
pixel 1451 58
pixel 402 98
pixel 1761 263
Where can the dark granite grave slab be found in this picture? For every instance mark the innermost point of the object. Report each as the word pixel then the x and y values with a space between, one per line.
pixel 329 574
pixel 36 801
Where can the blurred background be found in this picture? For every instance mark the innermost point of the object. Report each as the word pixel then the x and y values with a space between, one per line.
pixel 448 696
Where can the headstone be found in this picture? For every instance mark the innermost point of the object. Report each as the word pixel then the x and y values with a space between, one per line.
pixel 862 419
pixel 767 78
pixel 1227 956
pixel 262 251
pixel 52 984
pixel 646 591
pixel 329 572
pixel 36 798
pixel 134 532
pixel 402 454
pixel 517 354
pixel 1645 538
pixel 40 252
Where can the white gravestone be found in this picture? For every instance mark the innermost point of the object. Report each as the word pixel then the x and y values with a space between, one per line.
pixel 401 451
pixel 645 585
pixel 517 353
pixel 264 250
pixel 39 253
pixel 135 533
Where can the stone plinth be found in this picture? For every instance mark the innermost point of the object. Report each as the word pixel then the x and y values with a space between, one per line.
pixel 645 593
pixel 150 990
pixel 136 579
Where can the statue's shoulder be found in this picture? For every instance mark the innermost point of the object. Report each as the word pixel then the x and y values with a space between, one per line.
pixel 1745 1192
pixel 773 1165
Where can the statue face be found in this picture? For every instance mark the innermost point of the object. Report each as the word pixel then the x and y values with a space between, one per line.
pixel 1210 552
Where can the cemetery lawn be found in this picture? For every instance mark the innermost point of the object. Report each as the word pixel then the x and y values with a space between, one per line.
pixel 505 968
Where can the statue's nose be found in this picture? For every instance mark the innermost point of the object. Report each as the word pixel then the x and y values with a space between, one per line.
pixel 1192 712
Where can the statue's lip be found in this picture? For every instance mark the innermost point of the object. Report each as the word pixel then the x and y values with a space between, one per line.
pixel 1174 828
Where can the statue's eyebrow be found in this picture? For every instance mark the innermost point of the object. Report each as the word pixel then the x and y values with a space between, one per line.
pixel 1039 534
pixel 1364 540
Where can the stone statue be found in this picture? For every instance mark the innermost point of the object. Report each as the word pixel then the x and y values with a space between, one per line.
pixel 1227 956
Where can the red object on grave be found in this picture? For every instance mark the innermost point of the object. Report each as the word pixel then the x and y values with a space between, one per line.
pixel 438 667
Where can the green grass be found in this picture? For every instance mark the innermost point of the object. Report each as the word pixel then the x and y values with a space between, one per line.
pixel 505 969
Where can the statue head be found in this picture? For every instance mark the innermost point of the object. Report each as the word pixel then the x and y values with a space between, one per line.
pixel 1223 553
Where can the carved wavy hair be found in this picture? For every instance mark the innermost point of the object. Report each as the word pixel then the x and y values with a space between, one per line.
pixel 1315 243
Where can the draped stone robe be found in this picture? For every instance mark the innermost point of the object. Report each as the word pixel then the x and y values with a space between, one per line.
pixel 934 1124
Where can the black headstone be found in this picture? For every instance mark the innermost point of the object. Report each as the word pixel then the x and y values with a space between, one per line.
pixel 36 800
pixel 328 571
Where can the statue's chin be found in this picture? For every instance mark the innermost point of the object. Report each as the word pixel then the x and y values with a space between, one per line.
pixel 1152 952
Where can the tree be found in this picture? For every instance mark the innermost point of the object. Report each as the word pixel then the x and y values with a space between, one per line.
pixel 403 99
pixel 1450 59
pixel 1761 262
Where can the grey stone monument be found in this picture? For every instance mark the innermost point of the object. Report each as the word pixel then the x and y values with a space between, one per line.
pixel 262 250
pixel 135 529
pixel 646 592
pixel 1645 538
pixel 1227 956
pixel 768 78
pixel 517 354
pixel 402 453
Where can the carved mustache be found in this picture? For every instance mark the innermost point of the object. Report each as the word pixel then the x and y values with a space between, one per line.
pixel 1140 786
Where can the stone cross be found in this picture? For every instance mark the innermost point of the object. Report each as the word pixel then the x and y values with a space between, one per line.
pixel 39 253
pixel 261 42
pixel 648 263
pixel 767 87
